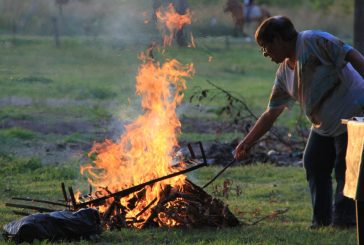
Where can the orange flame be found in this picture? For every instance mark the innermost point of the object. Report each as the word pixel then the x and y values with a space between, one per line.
pixel 173 22
pixel 146 150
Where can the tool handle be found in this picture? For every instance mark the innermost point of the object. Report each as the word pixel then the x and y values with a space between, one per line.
pixel 219 173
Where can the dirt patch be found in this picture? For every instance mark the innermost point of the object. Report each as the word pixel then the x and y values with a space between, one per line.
pixel 58 138
pixel 65 148
pixel 207 126
pixel 44 127
pixel 216 152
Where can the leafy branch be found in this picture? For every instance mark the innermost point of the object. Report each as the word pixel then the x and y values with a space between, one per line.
pixel 241 114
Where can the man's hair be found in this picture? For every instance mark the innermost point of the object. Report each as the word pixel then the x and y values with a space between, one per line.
pixel 275 26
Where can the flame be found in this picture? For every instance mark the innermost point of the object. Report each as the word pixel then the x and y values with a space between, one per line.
pixel 172 21
pixel 146 150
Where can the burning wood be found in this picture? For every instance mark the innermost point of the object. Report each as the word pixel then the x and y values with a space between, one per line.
pixel 126 192
pixel 186 206
pixel 191 207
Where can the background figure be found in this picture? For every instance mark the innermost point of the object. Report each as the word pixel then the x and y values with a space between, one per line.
pixel 236 10
pixel 156 4
pixel 248 4
pixel 180 6
pixel 247 12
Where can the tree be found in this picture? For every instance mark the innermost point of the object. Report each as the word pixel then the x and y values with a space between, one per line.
pixel 12 13
pixel 56 21
pixel 60 4
pixel 358 25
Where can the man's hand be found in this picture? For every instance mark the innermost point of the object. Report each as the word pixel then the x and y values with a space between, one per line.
pixel 263 124
pixel 241 151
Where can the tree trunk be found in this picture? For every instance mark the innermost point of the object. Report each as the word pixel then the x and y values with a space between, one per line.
pixel 55 31
pixel 358 25
pixel 13 32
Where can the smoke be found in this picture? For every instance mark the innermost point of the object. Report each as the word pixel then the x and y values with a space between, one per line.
pixel 127 22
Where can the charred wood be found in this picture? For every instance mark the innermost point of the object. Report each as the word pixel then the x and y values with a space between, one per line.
pixel 126 192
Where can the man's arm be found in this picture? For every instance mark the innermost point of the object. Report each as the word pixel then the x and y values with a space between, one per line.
pixel 264 123
pixel 356 59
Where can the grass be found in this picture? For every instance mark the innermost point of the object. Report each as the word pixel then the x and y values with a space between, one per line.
pixel 92 72
pixel 95 81
pixel 91 84
pixel 265 189
pixel 19 133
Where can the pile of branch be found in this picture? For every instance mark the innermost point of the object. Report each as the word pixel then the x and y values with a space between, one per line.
pixel 185 207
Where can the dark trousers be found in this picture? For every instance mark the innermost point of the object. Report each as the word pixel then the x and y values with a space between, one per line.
pixel 321 156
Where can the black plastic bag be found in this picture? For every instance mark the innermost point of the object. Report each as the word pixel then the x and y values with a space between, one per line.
pixel 59 225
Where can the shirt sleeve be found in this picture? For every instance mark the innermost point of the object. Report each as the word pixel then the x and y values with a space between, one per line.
pixel 279 96
pixel 331 50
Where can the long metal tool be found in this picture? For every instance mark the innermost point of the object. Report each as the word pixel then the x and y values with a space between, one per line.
pixel 226 167
pixel 133 189
pixel 219 173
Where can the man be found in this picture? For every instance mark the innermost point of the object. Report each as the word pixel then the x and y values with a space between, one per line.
pixel 326 77
pixel 248 4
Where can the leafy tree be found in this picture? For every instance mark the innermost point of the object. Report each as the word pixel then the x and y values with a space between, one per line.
pixel 12 10
pixel 56 21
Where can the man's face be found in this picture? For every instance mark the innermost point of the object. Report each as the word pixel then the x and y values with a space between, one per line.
pixel 274 50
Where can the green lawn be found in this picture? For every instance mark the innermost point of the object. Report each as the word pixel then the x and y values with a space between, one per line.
pixel 265 190
pixel 56 100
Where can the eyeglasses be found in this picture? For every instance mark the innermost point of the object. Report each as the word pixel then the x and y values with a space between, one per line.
pixel 266 50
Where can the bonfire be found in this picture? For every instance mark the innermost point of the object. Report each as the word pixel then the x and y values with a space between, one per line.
pixel 139 180
pixel 146 151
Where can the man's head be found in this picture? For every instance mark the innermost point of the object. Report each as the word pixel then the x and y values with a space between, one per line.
pixel 275 36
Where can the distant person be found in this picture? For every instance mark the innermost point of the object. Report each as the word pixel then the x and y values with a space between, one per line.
pixel 180 6
pixel 326 76
pixel 156 4
pixel 248 4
